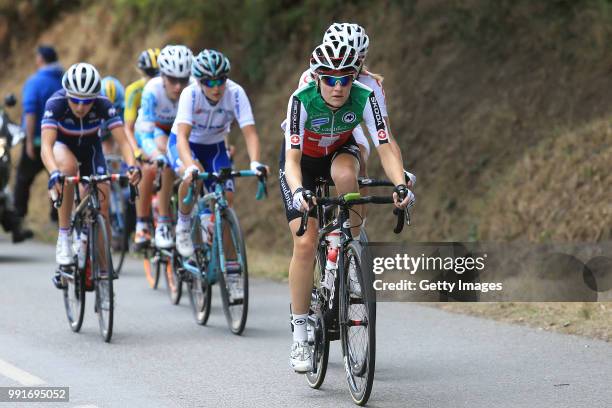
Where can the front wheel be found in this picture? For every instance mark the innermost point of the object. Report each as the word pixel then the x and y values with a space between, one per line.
pixel 358 326
pixel 102 269
pixel 234 283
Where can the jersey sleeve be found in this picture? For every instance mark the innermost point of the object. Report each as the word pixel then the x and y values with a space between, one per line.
pixel 379 92
pixel 52 114
pixel 373 118
pixel 184 112
pixel 109 114
pixel 296 119
pixel 242 108
pixel 133 95
pixel 146 114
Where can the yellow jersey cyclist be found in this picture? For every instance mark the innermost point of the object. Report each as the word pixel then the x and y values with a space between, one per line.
pixel 207 109
pixel 319 142
pixel 355 35
pixel 155 118
pixel 112 89
pixel 71 146
pixel 147 64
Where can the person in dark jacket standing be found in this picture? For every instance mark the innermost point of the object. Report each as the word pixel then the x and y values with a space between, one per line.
pixel 37 89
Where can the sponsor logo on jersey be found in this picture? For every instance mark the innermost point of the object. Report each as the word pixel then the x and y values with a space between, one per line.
pixel 295 140
pixel 349 117
pixel 318 122
pixel 100 170
pixel 378 119
pixel 382 135
pixel 295 116
pixel 69 121
pixel 112 112
pixel 48 114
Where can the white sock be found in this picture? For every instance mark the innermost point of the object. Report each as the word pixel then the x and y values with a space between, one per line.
pixel 184 220
pixel 141 225
pixel 299 327
pixel 63 234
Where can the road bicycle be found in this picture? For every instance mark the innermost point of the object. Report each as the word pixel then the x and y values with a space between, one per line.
pixel 92 269
pixel 342 305
pixel 220 253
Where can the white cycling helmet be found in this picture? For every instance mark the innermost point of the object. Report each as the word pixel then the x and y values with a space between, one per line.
pixel 352 34
pixel 175 61
pixel 82 80
pixel 210 64
pixel 335 56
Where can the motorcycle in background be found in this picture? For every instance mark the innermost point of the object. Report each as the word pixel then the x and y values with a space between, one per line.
pixel 11 135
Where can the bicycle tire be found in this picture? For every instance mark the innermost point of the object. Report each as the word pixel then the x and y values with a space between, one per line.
pixel 320 352
pixel 174 285
pixel 117 229
pixel 105 306
pixel 200 293
pixel 151 268
pixel 236 311
pixel 359 322
pixel 74 292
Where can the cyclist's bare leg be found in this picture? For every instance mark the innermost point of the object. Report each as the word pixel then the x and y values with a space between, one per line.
pixel 301 271
pixel 165 193
pixel 143 202
pixel 184 188
pixel 68 165
pixel 344 171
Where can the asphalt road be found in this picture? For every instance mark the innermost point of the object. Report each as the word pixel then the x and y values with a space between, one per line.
pixel 159 357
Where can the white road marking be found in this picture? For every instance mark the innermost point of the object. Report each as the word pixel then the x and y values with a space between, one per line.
pixel 17 374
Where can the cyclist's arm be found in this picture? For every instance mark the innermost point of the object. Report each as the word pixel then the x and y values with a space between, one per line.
pixel 48 137
pixel 294 142
pixel 182 144
pixel 48 127
pixel 377 128
pixel 124 146
pixel 130 113
pixel 244 116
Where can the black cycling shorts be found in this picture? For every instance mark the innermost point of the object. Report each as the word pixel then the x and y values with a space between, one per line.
pixel 88 152
pixel 312 169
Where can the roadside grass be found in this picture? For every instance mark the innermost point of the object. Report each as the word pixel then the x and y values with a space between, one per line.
pixel 584 319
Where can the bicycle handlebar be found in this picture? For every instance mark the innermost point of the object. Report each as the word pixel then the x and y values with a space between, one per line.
pixel 262 175
pixel 348 201
pixel 113 178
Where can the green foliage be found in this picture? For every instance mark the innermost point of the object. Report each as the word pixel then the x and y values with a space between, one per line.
pixel 260 28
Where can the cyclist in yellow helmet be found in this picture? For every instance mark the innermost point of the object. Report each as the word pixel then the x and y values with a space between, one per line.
pixel 112 89
pixel 147 63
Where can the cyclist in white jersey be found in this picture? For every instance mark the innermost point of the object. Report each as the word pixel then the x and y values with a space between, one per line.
pixel 155 117
pixel 206 110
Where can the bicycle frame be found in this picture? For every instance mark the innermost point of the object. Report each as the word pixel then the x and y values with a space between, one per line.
pixel 214 254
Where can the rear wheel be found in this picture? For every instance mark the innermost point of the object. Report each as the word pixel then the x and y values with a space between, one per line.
pixel 234 283
pixel 151 267
pixel 102 269
pixel 173 280
pixel 358 328
pixel 119 230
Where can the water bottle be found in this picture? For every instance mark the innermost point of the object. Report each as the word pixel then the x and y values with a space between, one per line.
pixel 82 253
pixel 206 224
pixel 331 264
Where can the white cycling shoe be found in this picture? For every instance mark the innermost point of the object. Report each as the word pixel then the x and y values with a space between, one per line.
pixel 301 357
pixel 163 236
pixel 64 254
pixel 184 245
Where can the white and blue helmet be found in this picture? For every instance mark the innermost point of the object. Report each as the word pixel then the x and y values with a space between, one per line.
pixel 210 64
pixel 175 61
